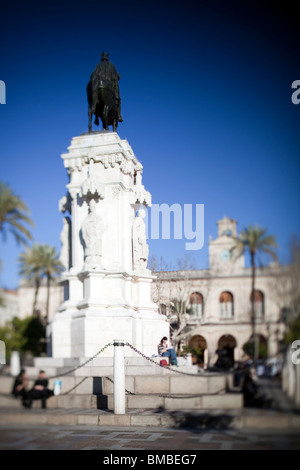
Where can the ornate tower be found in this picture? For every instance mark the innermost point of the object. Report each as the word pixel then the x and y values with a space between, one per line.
pixel 220 257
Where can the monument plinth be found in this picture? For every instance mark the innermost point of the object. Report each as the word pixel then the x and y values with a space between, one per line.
pixel 104 249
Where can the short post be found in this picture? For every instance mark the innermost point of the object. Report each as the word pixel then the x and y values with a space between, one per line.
pixel 297 397
pixel 15 363
pixel 189 361
pixel 119 377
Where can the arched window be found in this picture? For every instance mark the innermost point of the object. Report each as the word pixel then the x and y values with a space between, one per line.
pixel 226 345
pixel 198 345
pixel 259 306
pixel 196 301
pixel 226 305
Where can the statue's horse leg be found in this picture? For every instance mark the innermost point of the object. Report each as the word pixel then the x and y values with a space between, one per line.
pixel 105 117
pixel 90 119
pixel 115 124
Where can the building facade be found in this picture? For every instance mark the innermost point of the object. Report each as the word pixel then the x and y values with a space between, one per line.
pixel 217 299
pixel 218 302
pixel 9 305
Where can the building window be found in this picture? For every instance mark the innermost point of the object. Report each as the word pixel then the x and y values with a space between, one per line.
pixel 226 305
pixel 258 303
pixel 196 302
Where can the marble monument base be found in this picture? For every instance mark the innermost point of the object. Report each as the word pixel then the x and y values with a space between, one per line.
pixel 84 333
pixel 104 250
pixel 84 327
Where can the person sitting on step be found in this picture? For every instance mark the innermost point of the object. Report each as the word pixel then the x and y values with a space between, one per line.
pixel 165 351
pixel 40 390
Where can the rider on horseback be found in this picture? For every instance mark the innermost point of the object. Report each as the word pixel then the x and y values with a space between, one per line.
pixel 106 72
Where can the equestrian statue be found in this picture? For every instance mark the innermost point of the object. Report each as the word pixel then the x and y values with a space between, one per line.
pixel 103 95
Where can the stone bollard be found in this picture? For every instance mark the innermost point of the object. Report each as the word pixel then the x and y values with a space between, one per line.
pixel 15 363
pixel 189 361
pixel 297 394
pixel 119 377
pixel 2 353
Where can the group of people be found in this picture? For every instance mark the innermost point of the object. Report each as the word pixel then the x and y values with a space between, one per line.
pixel 39 390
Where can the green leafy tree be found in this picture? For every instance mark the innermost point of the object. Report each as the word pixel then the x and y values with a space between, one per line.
pixel 34 334
pixel 24 335
pixel 14 215
pixel 196 352
pixel 12 333
pixel 255 241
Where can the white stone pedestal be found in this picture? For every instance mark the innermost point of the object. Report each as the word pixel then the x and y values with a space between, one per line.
pixel 104 248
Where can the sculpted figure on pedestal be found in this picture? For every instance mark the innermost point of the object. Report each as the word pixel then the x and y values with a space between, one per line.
pixel 92 231
pixel 65 243
pixel 139 242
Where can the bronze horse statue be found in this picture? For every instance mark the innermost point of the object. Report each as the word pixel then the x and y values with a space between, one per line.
pixel 103 95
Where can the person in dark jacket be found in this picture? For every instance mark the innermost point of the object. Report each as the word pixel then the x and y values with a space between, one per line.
pixel 20 388
pixel 40 390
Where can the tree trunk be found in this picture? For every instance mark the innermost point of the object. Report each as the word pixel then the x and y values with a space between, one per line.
pixel 253 319
pixel 37 286
pixel 48 297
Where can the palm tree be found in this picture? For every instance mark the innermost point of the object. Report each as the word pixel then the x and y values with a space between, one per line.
pixel 40 261
pixel 255 241
pixel 30 269
pixel 52 267
pixel 14 213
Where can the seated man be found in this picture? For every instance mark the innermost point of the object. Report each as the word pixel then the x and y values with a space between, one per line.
pixel 165 351
pixel 40 390
pixel 20 386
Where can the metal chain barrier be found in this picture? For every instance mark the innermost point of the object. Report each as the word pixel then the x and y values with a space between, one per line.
pixel 127 391
pixel 75 386
pixel 172 369
pixel 84 363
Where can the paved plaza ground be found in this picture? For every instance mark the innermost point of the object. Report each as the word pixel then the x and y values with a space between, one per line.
pixel 138 433
pixel 21 437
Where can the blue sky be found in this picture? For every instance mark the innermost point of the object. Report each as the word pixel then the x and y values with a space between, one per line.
pixel 206 102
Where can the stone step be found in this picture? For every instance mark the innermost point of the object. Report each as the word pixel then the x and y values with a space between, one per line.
pixel 171 383
pixel 102 366
pixel 201 419
pixel 142 401
pixel 179 402
pixel 91 385
pixel 174 384
pixel 82 401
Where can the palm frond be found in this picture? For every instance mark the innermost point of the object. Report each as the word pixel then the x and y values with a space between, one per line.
pixel 14 215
